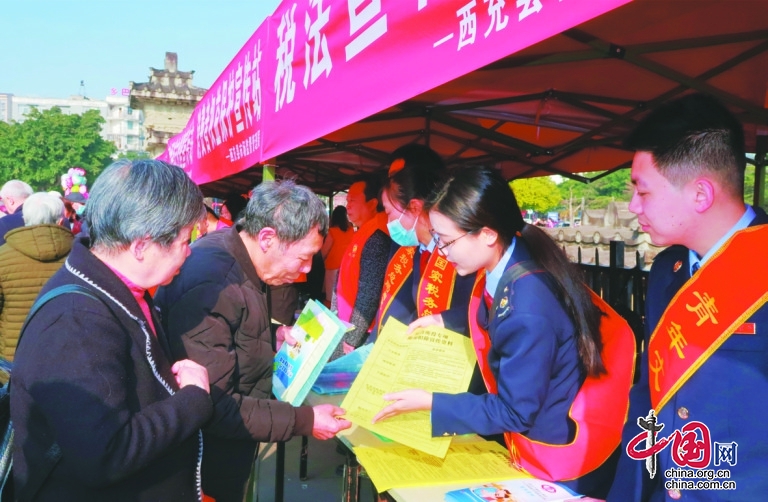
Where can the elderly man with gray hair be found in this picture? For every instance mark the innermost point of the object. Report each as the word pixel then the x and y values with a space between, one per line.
pixel 217 312
pixel 29 257
pixel 100 410
pixel 13 195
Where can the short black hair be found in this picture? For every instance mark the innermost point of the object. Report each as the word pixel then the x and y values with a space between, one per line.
pixel 416 170
pixel 693 135
pixel 373 184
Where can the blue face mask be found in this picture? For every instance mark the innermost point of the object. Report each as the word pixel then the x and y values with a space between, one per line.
pixel 80 210
pixel 400 235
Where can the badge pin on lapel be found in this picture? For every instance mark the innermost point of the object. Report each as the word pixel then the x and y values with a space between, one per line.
pixel 677 266
pixel 503 306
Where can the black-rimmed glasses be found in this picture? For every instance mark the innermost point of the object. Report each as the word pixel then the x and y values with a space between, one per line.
pixel 441 247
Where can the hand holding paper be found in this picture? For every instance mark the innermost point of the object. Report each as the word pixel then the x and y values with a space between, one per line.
pixel 283 335
pixel 310 342
pixel 405 401
pixel 433 359
pixel 328 421
pixel 433 321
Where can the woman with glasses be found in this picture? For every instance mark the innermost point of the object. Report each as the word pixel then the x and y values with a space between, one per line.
pixel 419 282
pixel 556 361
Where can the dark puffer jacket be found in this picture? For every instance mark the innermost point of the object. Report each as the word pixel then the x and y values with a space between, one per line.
pixel 30 256
pixel 215 312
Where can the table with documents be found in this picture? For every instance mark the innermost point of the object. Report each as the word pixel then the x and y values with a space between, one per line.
pixel 399 454
pixel 385 464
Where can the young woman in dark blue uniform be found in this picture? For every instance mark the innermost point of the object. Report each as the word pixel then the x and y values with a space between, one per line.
pixel 547 353
pixel 419 282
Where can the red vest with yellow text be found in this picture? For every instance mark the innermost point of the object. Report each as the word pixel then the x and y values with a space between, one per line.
pixel 598 410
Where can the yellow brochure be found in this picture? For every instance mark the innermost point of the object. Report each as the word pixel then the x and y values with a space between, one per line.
pixel 433 359
pixel 467 463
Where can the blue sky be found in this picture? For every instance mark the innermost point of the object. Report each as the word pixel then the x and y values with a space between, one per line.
pixel 48 46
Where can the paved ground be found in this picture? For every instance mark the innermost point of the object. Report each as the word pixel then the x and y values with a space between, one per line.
pixel 323 484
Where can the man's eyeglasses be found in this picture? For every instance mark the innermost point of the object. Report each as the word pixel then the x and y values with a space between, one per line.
pixel 440 246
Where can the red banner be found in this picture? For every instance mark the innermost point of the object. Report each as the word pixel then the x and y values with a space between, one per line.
pixel 316 66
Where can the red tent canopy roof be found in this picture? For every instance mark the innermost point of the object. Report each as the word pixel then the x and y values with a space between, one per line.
pixel 561 106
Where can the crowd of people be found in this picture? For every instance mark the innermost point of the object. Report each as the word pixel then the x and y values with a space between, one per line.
pixel 143 341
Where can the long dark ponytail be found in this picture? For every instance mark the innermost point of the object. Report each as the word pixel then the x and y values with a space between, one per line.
pixel 477 197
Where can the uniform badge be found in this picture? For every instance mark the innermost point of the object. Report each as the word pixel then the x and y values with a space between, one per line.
pixel 503 308
pixel 677 266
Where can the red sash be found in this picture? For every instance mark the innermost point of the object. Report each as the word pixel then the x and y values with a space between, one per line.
pixel 399 268
pixel 436 285
pixel 599 409
pixel 706 311
pixel 349 270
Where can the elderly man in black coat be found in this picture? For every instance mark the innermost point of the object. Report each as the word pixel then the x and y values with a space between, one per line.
pixel 217 313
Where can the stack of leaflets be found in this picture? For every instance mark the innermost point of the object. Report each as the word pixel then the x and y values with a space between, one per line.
pixel 517 490
pixel 317 333
pixel 337 376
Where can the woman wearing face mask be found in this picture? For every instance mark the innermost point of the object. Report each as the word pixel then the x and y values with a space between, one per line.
pixel 76 202
pixel 556 360
pixel 419 282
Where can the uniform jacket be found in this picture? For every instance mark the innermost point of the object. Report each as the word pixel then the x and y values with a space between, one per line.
pixel 534 336
pixel 93 387
pixel 726 394
pixel 403 305
pixel 455 317
pixel 30 256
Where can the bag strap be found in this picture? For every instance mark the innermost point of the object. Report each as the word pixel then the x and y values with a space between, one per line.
pixel 510 276
pixel 50 295
pixel 53 455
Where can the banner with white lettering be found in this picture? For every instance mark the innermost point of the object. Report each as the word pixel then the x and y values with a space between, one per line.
pixel 316 66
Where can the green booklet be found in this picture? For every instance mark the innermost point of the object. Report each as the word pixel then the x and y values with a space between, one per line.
pixel 317 332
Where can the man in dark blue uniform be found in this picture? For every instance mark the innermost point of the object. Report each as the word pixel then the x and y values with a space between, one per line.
pixel 704 371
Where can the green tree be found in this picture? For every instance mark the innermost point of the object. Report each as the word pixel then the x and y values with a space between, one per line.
pixel 749 186
pixel 48 143
pixel 540 194
pixel 134 155
pixel 597 194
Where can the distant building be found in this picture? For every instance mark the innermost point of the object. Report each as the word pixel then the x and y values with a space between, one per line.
pixel 122 124
pixel 167 101
pixel 6 101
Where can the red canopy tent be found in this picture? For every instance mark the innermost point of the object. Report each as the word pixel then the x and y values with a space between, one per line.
pixel 560 106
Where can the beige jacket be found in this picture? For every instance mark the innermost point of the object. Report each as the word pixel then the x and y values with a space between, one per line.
pixel 30 256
